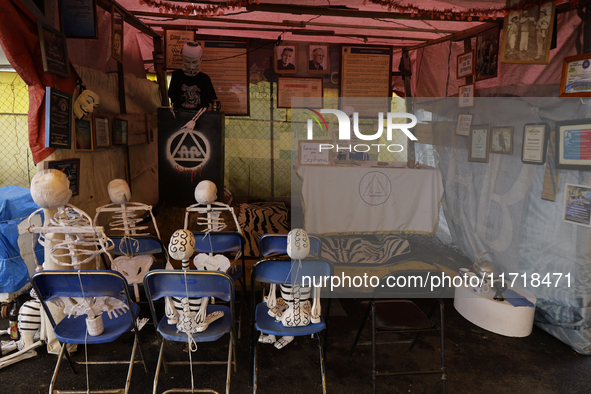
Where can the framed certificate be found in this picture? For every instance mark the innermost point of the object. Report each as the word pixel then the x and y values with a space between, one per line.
pixel 315 153
pixel 58 118
pixel 463 125
pixel 119 131
pixel 311 88
pixel 70 167
pixel 54 51
pixel 466 96
pixel 102 132
pixel 83 136
pixel 577 204
pixel 78 18
pixel 501 140
pixel 573 144
pixel 479 143
pixel 535 143
pixel 576 76
pixel 465 64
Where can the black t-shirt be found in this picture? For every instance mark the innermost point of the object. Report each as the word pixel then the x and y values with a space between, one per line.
pixel 191 92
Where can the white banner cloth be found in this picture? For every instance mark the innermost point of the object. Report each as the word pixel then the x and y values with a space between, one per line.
pixel 339 200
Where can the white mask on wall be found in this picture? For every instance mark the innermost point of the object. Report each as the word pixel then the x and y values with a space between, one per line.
pixel 85 104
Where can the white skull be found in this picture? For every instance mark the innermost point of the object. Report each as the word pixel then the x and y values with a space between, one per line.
pixel 50 189
pixel 206 192
pixel 298 244
pixel 119 192
pixel 85 104
pixel 182 245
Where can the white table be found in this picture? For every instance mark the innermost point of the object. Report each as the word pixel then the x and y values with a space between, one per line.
pixel 499 317
pixel 366 199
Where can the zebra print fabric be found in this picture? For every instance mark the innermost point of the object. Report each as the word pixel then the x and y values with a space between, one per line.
pixel 261 218
pixel 365 249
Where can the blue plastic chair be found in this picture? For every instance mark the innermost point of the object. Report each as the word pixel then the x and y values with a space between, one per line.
pixel 277 243
pixel 52 284
pixel 140 245
pixel 223 242
pixel 194 284
pixel 282 272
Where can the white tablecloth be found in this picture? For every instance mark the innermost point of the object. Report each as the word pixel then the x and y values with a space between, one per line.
pixel 364 200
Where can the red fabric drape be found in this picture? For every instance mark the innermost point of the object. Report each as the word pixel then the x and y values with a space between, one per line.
pixel 20 41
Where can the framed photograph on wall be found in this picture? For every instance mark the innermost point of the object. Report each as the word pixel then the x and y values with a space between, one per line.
pixel 463 125
pixel 116 34
pixel 576 75
pixel 465 64
pixel 315 153
pixel 577 204
pixel 487 54
pixel 573 150
pixel 466 96
pixel 527 35
pixel 119 131
pixel 318 58
pixel 102 132
pixel 58 119
pixel 535 143
pixel 54 51
pixel 83 135
pixel 70 167
pixel 478 144
pixel 501 140
pixel 78 18
pixel 286 58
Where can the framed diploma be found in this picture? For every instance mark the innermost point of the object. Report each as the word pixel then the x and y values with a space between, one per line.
pixel 464 123
pixel 573 144
pixel 116 34
pixel 102 132
pixel 83 136
pixel 311 88
pixel 465 64
pixel 501 140
pixel 54 51
pixel 478 145
pixel 577 204
pixel 58 118
pixel 466 96
pixel 315 153
pixel 576 76
pixel 535 143
pixel 70 167
pixel 78 18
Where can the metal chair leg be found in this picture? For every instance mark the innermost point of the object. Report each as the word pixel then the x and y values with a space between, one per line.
pixel 442 313
pixel 322 366
pixel 231 345
pixel 254 368
pixel 373 347
pixel 57 368
pixel 365 316
pixel 160 360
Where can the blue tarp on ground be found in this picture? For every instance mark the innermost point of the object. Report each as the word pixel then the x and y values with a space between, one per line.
pixel 16 204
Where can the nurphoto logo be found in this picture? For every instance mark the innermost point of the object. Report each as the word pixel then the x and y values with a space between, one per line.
pixel 345 130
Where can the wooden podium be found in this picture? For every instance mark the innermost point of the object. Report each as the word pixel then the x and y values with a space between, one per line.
pixel 187 156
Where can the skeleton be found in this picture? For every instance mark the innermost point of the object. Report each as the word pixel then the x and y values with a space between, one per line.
pixel 189 314
pixel 209 211
pixel 293 308
pixel 125 221
pixel 69 239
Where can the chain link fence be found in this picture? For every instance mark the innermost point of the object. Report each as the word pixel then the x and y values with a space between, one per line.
pixel 16 162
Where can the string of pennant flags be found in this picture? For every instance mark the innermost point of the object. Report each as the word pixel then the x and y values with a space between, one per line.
pixel 210 10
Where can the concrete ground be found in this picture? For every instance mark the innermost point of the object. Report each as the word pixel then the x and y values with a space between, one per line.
pixel 477 361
